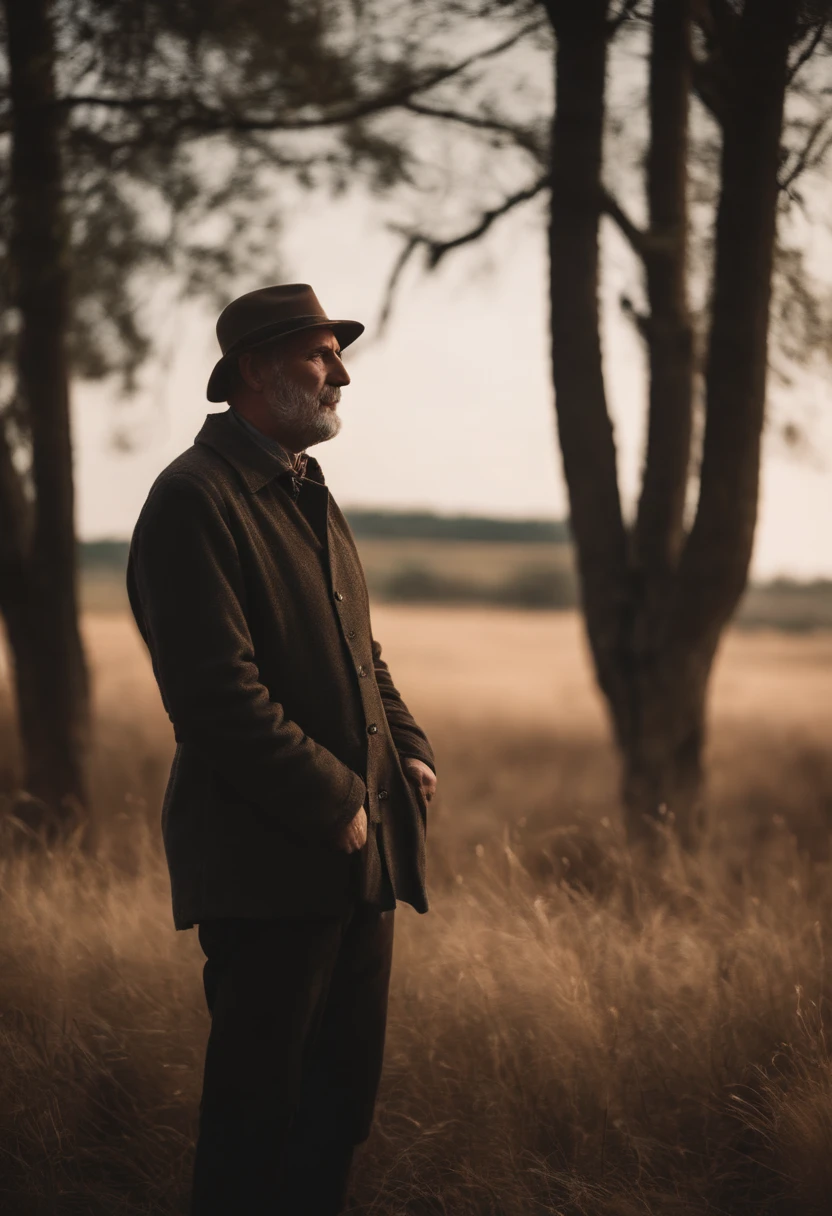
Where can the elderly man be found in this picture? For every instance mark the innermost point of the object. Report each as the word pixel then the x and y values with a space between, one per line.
pixel 295 813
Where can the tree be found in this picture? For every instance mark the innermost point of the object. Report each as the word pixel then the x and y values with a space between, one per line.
pixel 38 592
pixel 68 303
pixel 658 591
pixel 657 597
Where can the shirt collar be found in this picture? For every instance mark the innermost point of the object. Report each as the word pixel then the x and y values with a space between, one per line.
pixel 267 443
pixel 257 458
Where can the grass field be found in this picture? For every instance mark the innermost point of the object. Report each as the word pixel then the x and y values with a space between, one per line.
pixel 447 570
pixel 566 1036
pixel 407 567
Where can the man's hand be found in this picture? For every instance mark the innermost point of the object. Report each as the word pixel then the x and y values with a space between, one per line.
pixel 418 774
pixel 354 836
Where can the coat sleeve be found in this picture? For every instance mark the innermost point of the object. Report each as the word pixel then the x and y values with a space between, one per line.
pixel 187 594
pixel 410 739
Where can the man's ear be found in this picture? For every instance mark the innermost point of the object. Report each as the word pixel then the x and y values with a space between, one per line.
pixel 250 370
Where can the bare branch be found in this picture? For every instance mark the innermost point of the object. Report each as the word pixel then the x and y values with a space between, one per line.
pixel 522 137
pixel 636 237
pixel 99 101
pixel 409 248
pixel 808 51
pixel 709 87
pixel 627 12
pixel 810 155
pixel 436 250
pixel 640 320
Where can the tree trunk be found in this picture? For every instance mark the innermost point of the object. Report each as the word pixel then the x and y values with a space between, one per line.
pixel 661 725
pixel 584 427
pixel 52 718
pixel 669 332
pixel 641 689
pixel 714 567
pixel 662 747
pixel 38 591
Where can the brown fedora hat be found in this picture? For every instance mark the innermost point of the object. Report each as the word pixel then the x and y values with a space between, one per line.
pixel 263 315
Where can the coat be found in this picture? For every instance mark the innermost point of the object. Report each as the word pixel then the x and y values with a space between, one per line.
pixel 247 587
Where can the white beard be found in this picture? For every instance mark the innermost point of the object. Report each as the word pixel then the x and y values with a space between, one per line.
pixel 305 418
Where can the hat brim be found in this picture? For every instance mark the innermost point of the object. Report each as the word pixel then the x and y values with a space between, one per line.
pixel 219 383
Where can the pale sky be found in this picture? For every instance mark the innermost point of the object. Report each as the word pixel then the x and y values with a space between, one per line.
pixel 451 411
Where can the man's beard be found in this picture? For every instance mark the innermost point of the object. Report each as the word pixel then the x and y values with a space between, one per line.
pixel 305 417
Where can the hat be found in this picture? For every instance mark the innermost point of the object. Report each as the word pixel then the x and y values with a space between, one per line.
pixel 263 315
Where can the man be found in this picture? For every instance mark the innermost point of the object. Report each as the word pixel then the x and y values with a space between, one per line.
pixel 294 817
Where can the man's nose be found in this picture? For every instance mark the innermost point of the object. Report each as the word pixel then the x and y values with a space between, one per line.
pixel 339 374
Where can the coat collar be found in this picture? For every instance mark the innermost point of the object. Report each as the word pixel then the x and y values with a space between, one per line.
pixel 255 464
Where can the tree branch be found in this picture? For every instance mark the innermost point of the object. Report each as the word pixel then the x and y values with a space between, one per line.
pixel 708 85
pixel 408 249
pixel 523 138
pixel 635 236
pixel 627 12
pixel 436 250
pixel 808 51
pixel 207 118
pixel 805 159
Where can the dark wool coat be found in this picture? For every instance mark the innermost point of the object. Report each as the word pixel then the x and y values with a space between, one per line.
pixel 247 587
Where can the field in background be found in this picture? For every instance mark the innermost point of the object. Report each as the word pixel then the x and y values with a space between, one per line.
pixel 407 569
pixel 422 558
pixel 566 1036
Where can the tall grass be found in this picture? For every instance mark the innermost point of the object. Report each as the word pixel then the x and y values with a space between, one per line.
pixel 566 1036
pixel 549 1051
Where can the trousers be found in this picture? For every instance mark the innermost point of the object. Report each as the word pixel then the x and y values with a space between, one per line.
pixel 298 1017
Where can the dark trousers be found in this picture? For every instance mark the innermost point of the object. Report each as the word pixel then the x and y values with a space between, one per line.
pixel 298 1014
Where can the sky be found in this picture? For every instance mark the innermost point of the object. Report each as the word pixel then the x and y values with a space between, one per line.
pixel 452 409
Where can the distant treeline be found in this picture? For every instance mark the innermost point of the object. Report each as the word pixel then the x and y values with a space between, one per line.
pixel 103 554
pixel 782 604
pixel 425 525
pixel 384 525
pixel 530 586
pixel 415 573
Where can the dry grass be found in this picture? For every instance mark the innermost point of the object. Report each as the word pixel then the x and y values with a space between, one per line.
pixel 564 1037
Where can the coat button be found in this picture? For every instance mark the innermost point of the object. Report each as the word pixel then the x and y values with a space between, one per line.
pixel 382 794
pixel 362 671
pixel 338 596
pixel 350 633
pixel 372 729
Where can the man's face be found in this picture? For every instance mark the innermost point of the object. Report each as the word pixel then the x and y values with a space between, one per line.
pixel 300 379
